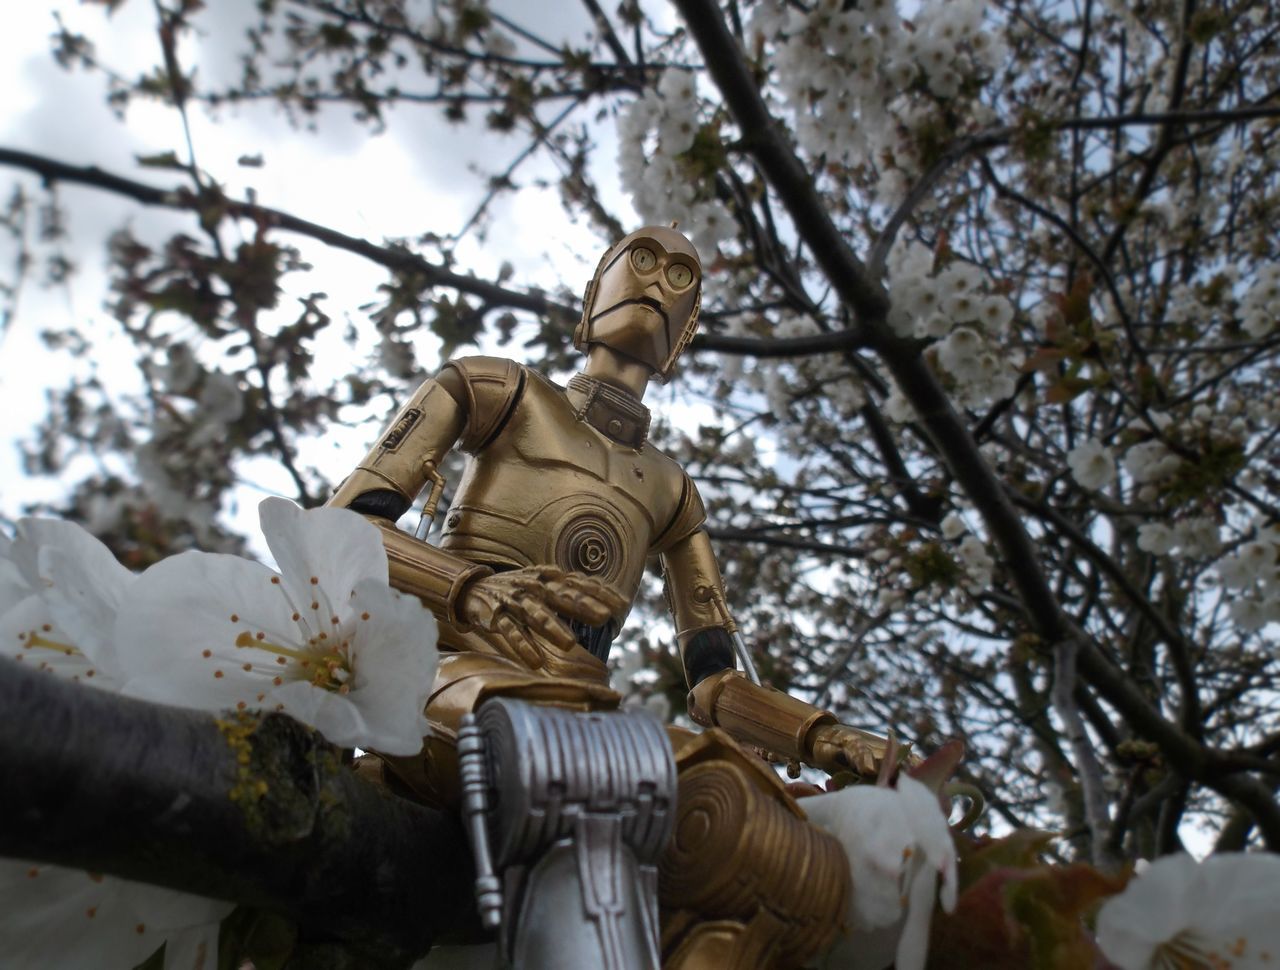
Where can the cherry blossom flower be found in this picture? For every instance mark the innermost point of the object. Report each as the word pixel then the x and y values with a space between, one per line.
pixel 325 640
pixel 1150 461
pixel 1155 538
pixel 59 589
pixel 977 562
pixel 953 526
pixel 1179 913
pixel 899 848
pixel 56 917
pixel 1092 464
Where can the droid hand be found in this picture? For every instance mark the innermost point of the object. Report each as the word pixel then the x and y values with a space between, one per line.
pixel 525 606
pixel 837 747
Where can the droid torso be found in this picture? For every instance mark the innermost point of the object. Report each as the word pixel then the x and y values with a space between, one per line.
pixel 547 487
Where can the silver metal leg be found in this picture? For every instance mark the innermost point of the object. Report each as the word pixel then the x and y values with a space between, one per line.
pixel 571 812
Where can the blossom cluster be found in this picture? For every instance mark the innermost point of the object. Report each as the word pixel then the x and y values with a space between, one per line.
pixel 1254 569
pixel 861 83
pixel 953 306
pixel 655 135
pixel 1260 308
pixel 325 640
pixel 860 80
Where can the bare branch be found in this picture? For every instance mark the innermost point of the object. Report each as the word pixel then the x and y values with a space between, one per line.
pixel 157 794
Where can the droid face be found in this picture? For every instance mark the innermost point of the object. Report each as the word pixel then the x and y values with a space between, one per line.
pixel 643 301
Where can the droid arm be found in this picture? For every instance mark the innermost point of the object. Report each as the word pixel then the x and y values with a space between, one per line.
pixel 464 405
pixel 394 472
pixel 722 697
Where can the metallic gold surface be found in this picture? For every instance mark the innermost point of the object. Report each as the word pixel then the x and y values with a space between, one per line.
pixel 550 489
pixel 406 456
pixel 491 386
pixel 426 572
pixel 695 591
pixel 644 298
pixel 745 882
pixel 614 411
pixel 784 726
pixel 761 716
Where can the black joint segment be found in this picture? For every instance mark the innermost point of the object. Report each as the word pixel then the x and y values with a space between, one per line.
pixel 707 652
pixel 596 640
pixel 381 502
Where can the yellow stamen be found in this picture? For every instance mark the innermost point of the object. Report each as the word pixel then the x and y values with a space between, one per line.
pixel 331 669
pixel 247 639
pixel 38 641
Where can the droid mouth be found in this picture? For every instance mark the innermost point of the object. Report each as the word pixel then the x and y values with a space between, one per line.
pixel 650 303
pixel 647 302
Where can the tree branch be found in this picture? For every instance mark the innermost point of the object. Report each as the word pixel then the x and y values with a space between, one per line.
pixel 396 258
pixel 857 288
pixel 157 794
pixel 944 425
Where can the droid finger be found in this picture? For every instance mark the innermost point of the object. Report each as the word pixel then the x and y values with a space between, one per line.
pixel 593 594
pixel 524 648
pixel 578 606
pixel 545 623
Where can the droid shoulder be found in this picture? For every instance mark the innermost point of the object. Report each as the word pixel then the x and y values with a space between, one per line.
pixel 488 390
pixel 689 513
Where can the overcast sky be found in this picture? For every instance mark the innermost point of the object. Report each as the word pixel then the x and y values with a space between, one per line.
pixel 413 179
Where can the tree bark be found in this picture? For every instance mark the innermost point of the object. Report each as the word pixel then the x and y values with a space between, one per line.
pixel 255 809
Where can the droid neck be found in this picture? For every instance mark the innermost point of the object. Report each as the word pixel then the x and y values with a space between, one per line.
pixel 614 412
pixel 607 365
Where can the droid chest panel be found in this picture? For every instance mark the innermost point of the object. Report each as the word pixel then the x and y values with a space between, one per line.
pixel 551 490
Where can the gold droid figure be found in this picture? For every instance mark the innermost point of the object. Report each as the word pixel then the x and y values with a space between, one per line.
pixel 543 549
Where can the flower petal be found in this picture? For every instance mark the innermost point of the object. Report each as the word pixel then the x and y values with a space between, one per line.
pixel 1223 906
pixel 52 917
pixel 84 598
pixel 325 550
pixel 37 535
pixel 393 661
pixel 33 615
pixel 177 629
pixel 1154 908
pixel 898 845
pixel 56 917
pixel 13 587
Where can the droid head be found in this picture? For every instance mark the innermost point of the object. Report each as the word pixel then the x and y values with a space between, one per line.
pixel 643 300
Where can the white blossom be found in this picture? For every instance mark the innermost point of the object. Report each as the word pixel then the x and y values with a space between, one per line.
pixel 326 640
pixel 55 917
pixel 900 855
pixel 1260 308
pixel 59 590
pixel 1155 538
pixel 977 563
pixel 898 408
pixel 995 313
pixel 1252 562
pixel 961 353
pixel 1180 913
pixel 953 526
pixel 1092 464
pixel 1197 536
pixel 1250 613
pixel 1150 461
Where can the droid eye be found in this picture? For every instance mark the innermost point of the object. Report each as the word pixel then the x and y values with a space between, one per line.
pixel 643 259
pixel 679 275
